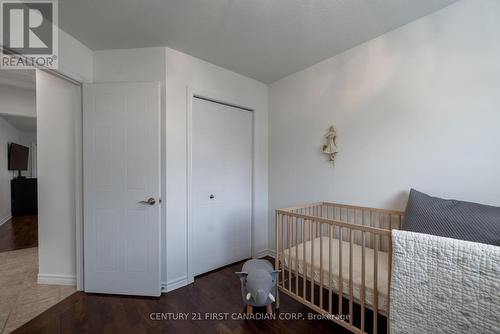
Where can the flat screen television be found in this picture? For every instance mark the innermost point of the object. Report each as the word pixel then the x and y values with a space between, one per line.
pixel 18 157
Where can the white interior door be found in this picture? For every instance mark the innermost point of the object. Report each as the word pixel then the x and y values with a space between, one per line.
pixel 121 146
pixel 221 189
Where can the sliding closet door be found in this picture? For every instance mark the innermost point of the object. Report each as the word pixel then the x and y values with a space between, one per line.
pixel 221 188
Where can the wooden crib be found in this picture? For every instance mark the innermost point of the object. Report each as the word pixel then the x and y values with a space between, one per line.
pixel 336 259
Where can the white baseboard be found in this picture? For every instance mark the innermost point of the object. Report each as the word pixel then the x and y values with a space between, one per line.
pixel 5 219
pixel 174 284
pixel 183 281
pixel 56 279
pixel 264 253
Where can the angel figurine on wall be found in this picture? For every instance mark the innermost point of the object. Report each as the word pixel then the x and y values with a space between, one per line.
pixel 331 147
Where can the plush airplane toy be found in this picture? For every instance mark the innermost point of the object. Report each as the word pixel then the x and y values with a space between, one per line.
pixel 258 284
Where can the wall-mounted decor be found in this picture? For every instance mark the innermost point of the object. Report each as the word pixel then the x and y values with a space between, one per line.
pixel 330 147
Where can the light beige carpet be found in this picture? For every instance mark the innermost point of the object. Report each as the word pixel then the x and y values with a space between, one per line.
pixel 21 298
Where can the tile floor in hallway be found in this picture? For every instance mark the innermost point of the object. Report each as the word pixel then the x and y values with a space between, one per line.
pixel 21 298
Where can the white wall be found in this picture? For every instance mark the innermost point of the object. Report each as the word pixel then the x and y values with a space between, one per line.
pixel 8 134
pixel 58 124
pixel 417 107
pixel 17 101
pixel 184 71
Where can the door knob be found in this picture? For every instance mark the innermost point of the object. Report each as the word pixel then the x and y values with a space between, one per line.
pixel 149 201
pixel 212 197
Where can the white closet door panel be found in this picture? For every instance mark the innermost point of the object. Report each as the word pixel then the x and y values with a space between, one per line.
pixel 222 167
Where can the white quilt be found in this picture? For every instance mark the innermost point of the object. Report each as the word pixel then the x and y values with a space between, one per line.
pixel 442 285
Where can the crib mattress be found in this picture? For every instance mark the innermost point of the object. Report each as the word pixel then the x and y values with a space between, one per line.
pixel 382 268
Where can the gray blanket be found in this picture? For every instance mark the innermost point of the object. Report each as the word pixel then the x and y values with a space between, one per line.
pixel 442 285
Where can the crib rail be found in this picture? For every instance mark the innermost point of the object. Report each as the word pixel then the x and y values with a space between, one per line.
pixel 327 282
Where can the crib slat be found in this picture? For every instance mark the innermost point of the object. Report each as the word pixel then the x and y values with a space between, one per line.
pixel 350 277
pixel 282 254
pixel 341 281
pixel 278 248
pixel 297 256
pixel 379 224
pixel 389 273
pixel 363 282
pixel 277 258
pixel 321 266
pixel 375 284
pixel 330 236
pixel 304 265
pixel 315 214
pixel 318 230
pixel 289 239
pixel 372 237
pixel 312 261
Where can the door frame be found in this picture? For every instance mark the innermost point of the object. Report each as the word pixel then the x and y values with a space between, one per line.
pixel 78 159
pixel 235 102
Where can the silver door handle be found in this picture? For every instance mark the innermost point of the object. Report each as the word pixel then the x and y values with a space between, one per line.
pixel 149 201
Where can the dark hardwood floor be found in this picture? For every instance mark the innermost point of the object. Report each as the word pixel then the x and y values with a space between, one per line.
pixel 216 294
pixel 19 232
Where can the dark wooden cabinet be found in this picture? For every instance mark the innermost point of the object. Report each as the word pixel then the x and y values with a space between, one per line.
pixel 23 197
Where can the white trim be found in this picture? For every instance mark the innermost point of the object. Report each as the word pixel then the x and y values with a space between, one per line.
pixel 34 157
pixel 174 284
pixel 56 279
pixel 5 219
pixel 79 194
pixel 191 93
pixel 264 253
pixel 160 186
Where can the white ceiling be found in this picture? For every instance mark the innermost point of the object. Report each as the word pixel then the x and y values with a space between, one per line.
pixel 262 39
